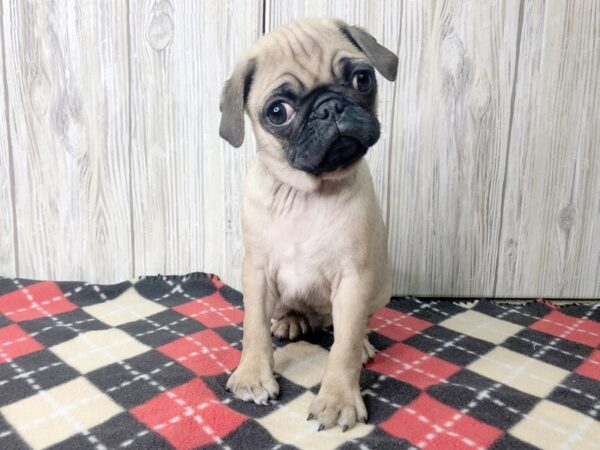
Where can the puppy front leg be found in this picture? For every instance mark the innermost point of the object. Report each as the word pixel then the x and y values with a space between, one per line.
pixel 253 379
pixel 339 400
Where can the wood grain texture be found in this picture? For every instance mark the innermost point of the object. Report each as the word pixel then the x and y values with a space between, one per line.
pixel 550 243
pixel 8 256
pixel 381 19
pixel 186 180
pixel 451 130
pixel 66 72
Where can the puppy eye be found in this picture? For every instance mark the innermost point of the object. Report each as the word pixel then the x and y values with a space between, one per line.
pixel 280 113
pixel 362 81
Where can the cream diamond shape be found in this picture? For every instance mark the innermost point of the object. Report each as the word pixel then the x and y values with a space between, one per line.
pixel 288 425
pixel 550 425
pixel 54 415
pixel 481 326
pixel 519 371
pixel 95 349
pixel 127 307
pixel 301 363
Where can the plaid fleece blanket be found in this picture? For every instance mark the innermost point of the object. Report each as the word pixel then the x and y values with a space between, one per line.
pixel 144 364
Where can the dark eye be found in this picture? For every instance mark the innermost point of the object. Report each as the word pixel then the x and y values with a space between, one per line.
pixel 280 113
pixel 362 81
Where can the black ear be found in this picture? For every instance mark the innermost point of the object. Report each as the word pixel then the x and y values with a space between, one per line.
pixel 383 59
pixel 233 100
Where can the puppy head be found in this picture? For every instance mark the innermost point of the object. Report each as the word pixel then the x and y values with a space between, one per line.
pixel 309 89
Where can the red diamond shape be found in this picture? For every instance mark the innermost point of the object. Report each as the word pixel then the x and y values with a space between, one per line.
pixel 591 366
pixel 35 301
pixel 583 331
pixel 189 416
pixel 397 325
pixel 430 424
pixel 412 366
pixel 212 311
pixel 204 353
pixel 14 342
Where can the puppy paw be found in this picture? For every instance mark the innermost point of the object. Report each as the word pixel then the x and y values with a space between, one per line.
pixel 368 351
pixel 338 405
pixel 253 382
pixel 292 326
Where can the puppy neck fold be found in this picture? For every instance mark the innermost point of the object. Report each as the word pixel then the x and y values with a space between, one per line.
pixel 276 173
pixel 283 173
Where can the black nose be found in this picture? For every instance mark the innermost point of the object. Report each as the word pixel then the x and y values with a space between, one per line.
pixel 329 107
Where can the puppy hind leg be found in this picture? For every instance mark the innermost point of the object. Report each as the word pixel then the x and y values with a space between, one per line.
pixel 368 351
pixel 292 326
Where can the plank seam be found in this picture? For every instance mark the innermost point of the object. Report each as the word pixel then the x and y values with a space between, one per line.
pixel 392 139
pixel 264 17
pixel 11 172
pixel 508 145
pixel 130 142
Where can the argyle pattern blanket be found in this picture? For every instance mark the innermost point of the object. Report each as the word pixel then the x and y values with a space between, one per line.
pixel 143 365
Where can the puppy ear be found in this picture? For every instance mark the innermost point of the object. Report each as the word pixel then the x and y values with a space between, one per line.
pixel 233 101
pixel 383 59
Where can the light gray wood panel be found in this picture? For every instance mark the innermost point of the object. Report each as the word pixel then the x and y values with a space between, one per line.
pixel 451 129
pixel 67 73
pixel 550 242
pixel 186 180
pixel 381 19
pixel 7 237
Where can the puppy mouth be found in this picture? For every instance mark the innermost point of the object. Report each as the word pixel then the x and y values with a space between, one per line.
pixel 337 145
pixel 334 133
pixel 344 151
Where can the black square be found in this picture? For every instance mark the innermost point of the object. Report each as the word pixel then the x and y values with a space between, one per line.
pixel 162 328
pixel 9 438
pixel 576 393
pixel 41 369
pixel 86 294
pixel 383 395
pixel 140 379
pixel 249 435
pixel 322 337
pixel 514 313
pixel 115 433
pixel 197 284
pixel 432 311
pixel 232 334
pixel 4 321
pixel 174 291
pixel 509 442
pixel 232 296
pixel 377 439
pixel 583 310
pixel 379 341
pixel 54 330
pixel 550 349
pixel 502 407
pixel 449 345
pixel 8 285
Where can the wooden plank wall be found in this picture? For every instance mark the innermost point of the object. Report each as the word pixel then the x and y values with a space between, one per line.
pixel 111 165
pixel 186 180
pixel 8 257
pixel 66 73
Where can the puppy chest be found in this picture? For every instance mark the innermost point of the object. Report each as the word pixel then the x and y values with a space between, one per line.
pixel 301 273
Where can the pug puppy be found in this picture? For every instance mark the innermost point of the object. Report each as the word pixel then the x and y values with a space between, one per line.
pixel 314 238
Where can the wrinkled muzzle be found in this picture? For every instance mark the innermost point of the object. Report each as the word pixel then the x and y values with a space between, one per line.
pixel 336 133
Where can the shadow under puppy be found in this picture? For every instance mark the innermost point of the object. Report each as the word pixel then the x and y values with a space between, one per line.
pixel 314 238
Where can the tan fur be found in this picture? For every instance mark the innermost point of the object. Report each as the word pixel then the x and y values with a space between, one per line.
pixel 314 245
